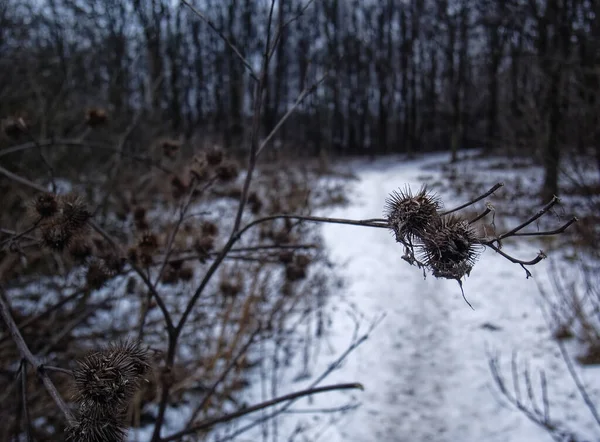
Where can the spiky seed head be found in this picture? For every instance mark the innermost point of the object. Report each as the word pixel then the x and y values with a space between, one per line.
pixel 114 262
pixel 74 213
pixel 96 116
pixel 81 248
pixel 148 242
pixel 294 272
pixel 97 274
pixel 410 216
pixel 169 276
pixel 170 147
pixel 132 254
pixel 56 237
pixel 96 423
pixel 214 155
pixel 286 256
pixel 176 264
pixel 209 228
pixel 178 187
pixel 451 250
pixel 131 285
pixel 231 287
pixel 13 127
pixel 199 168
pixel 255 203
pixel 302 260
pixel 204 244
pixel 186 273
pixel 110 377
pixel 139 213
pixel 45 205
pixel 227 171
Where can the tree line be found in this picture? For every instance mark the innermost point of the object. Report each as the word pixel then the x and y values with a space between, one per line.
pixel 518 76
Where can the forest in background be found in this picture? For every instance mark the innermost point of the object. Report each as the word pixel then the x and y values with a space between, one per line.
pixel 518 76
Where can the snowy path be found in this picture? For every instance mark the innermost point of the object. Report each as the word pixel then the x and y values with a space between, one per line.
pixel 425 368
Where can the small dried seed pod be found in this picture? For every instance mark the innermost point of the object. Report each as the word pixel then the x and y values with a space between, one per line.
pixel 227 171
pixel 170 147
pixel 451 250
pixel 209 228
pixel 97 274
pixel 45 205
pixel 214 155
pixel 178 187
pixel 74 212
pixel 80 248
pixel 186 273
pixel 96 423
pixel 294 272
pixel 410 216
pixel 56 237
pixel 13 127
pixel 95 117
pixel 170 276
pixel 148 242
pixel 286 256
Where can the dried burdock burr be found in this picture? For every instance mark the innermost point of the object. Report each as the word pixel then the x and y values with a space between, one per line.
pixel 176 264
pixel 204 246
pixel 132 254
pixel 105 382
pixel 111 376
pixel 209 228
pixel 227 171
pixel 231 285
pixel 97 274
pixel 148 242
pixel 139 218
pixel 302 260
pixel 96 423
pixel 178 187
pixel 294 272
pixel 81 248
pixel 131 285
pixel 286 256
pixel 13 127
pixel 410 216
pixel 170 147
pixel 199 168
pixel 169 276
pixel 451 249
pixel 73 212
pixel 255 203
pixel 95 117
pixel 55 237
pixel 214 155
pixel 186 273
pixel 44 206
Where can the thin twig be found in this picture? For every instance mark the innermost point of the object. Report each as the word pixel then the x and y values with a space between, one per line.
pixel 233 47
pixel 288 397
pixel 208 395
pixel 159 301
pixel 31 358
pixel 305 93
pixel 521 226
pixel 25 403
pixel 470 203
pixel 22 180
pixel 582 390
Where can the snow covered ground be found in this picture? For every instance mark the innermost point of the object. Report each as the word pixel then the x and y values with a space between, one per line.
pixel 425 366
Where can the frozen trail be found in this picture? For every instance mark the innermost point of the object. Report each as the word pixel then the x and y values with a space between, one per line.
pixel 425 368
